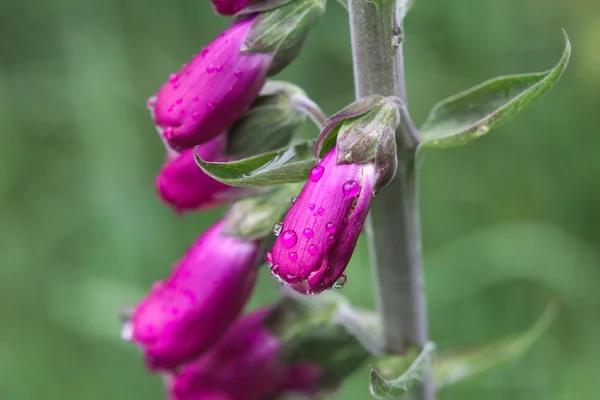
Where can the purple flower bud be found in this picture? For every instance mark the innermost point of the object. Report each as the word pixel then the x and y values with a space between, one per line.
pixel 321 228
pixel 229 7
pixel 245 364
pixel 212 91
pixel 185 186
pixel 186 314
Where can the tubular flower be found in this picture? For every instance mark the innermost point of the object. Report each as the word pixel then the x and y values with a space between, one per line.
pixel 245 364
pixel 183 316
pixel 212 91
pixel 317 237
pixel 182 184
pixel 229 7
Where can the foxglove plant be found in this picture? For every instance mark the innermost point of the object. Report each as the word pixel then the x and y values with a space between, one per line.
pixel 361 169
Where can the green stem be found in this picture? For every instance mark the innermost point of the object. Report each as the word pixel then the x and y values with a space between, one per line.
pixel 393 228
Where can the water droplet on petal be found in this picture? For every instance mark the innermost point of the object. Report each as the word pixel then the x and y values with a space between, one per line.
pixel 211 106
pixel 308 233
pixel 351 189
pixel 294 199
pixel 179 101
pixel 321 211
pixel 277 228
pixel 210 69
pixel 196 116
pixel 311 207
pixel 316 173
pixel 330 227
pixel 204 53
pixel 274 270
pixel 173 78
pixel 291 278
pixel 170 109
pixel 289 239
pixel 293 256
pixel 331 238
pixel 219 68
pixel 269 257
pixel 168 132
pixel 127 331
pixel 238 73
pixel 313 277
pixel 312 249
pixel 340 282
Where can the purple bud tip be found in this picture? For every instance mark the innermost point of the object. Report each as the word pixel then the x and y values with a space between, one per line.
pixel 212 91
pixel 229 7
pixel 248 353
pixel 182 184
pixel 322 226
pixel 183 316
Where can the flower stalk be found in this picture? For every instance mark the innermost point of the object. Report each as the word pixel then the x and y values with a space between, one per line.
pixel 393 226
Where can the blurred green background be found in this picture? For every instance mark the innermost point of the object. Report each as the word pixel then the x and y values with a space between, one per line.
pixel 509 222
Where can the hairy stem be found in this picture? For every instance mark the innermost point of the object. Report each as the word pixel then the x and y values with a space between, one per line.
pixel 393 228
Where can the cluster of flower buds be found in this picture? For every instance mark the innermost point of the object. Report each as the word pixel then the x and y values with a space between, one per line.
pixel 219 108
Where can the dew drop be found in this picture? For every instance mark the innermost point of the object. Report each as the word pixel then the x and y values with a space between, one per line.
pixel 196 116
pixel 311 207
pixel 340 282
pixel 316 173
pixel 274 270
pixel 179 101
pixel 269 257
pixel 173 78
pixel 211 106
pixel 168 132
pixel 321 211
pixel 313 277
pixel 170 109
pixel 238 73
pixel 308 233
pixel 330 227
pixel 291 278
pixel 294 199
pixel 289 239
pixel 204 53
pixel 277 228
pixel 210 69
pixel 293 256
pixel 351 189
pixel 175 85
pixel 219 68
pixel 127 331
pixel 331 238
pixel 312 249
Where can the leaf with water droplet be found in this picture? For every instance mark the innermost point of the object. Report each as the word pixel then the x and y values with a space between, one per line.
pixel 258 216
pixel 288 164
pixel 393 376
pixel 453 366
pixel 474 112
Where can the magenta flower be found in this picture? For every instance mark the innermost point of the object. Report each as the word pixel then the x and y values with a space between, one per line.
pixel 182 183
pixel 320 231
pixel 212 91
pixel 183 316
pixel 229 7
pixel 246 364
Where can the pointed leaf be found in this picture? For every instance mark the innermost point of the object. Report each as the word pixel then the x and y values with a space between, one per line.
pixel 454 366
pixel 290 164
pixel 472 113
pixel 395 375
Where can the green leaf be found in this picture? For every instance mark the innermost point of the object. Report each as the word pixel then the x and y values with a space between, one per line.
pixel 395 375
pixel 290 164
pixel 254 217
pixel 474 112
pixel 454 366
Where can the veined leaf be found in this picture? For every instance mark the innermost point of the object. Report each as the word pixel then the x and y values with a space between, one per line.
pixel 454 366
pixel 290 164
pixel 396 375
pixel 474 112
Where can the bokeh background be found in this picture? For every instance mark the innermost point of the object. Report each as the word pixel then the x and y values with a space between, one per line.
pixel 509 222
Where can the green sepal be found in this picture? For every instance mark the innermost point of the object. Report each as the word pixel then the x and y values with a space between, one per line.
pixel 474 112
pixel 282 31
pixel 255 6
pixel 254 217
pixel 286 165
pixel 269 124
